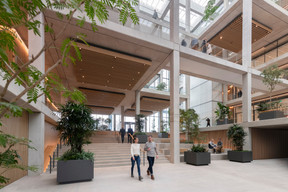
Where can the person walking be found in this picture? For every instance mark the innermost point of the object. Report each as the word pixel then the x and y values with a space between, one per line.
pixel 208 122
pixel 150 147
pixel 130 133
pixel 135 156
pixel 122 133
pixel 204 46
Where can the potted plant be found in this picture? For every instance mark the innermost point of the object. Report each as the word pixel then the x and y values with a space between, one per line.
pixel 139 126
pixel 209 11
pixel 161 86
pixel 237 134
pixel 222 114
pixel 271 77
pixel 76 126
pixel 197 155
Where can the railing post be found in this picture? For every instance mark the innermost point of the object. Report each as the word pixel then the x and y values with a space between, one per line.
pixel 57 149
pixel 143 158
pixel 53 159
pixel 60 143
pixel 50 164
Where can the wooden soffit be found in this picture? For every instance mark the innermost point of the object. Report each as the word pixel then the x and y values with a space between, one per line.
pixel 132 113
pixel 109 68
pixel 103 98
pixel 101 110
pixel 230 37
pixel 153 104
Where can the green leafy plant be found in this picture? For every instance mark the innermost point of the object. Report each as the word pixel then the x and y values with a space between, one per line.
pixel 161 86
pixel 271 77
pixel 102 124
pixel 189 123
pixel 9 157
pixel 70 155
pixel 222 111
pixel 237 134
pixel 21 71
pixel 198 148
pixel 210 10
pixel 139 123
pixel 266 106
pixel 76 125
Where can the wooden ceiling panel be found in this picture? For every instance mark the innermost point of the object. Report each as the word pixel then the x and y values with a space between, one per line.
pixel 153 104
pixel 97 97
pixel 230 37
pixel 108 68
pixel 101 110
pixel 132 113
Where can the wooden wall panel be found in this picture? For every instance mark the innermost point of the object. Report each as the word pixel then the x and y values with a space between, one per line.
pixel 17 126
pixel 208 135
pixel 269 143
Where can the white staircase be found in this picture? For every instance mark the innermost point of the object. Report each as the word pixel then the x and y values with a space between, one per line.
pixel 116 154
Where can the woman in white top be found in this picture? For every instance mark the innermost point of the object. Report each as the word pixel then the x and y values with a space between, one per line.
pixel 135 156
pixel 209 48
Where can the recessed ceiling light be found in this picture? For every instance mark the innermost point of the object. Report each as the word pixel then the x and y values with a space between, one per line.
pixel 221 37
pixel 82 82
pixel 109 74
pixel 83 76
pixel 129 85
pixel 133 79
pixel 138 72
pixel 80 48
pixel 108 81
pixel 115 57
pixel 112 67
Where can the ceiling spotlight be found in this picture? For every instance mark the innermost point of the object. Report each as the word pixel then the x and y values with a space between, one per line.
pixel 108 81
pixel 138 72
pixel 82 82
pixel 112 67
pixel 129 85
pixel 109 74
pixel 80 48
pixel 221 37
pixel 83 76
pixel 115 57
pixel 133 79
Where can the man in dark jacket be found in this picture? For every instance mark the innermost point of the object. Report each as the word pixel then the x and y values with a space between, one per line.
pixel 130 132
pixel 122 133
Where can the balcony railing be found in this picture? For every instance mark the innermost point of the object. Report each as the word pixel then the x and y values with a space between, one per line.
pixel 281 3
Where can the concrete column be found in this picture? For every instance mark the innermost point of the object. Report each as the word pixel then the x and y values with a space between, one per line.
pixel 187 91
pixel 114 122
pixel 160 121
pixel 36 135
pixel 146 125
pixel 137 102
pixel 122 117
pixel 174 107
pixel 225 94
pixel 248 139
pixel 174 21
pixel 226 4
pixel 246 97
pixel 224 54
pixel 187 19
pixel 36 43
pixel 246 59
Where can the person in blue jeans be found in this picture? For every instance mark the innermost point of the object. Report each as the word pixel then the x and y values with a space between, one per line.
pixel 135 156
pixel 150 147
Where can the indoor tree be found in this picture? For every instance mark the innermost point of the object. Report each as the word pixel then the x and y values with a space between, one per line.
pixel 271 77
pixel 76 125
pixel 32 82
pixel 210 10
pixel 139 123
pixel 237 134
pixel 189 123
pixel 222 111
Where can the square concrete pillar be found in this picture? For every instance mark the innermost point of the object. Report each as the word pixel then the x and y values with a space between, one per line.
pixel 246 59
pixel 174 21
pixel 137 102
pixel 174 108
pixel 36 135
pixel 122 117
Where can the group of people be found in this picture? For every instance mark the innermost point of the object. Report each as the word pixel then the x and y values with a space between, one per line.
pixel 152 153
pixel 216 148
pixel 150 148
pixel 205 47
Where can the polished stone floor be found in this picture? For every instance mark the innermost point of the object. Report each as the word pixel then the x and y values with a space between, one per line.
pixel 221 175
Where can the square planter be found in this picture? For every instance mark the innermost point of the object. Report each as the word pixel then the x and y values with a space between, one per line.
pixel 240 156
pixel 142 138
pixel 197 158
pixel 75 171
pixel 271 115
pixel 163 135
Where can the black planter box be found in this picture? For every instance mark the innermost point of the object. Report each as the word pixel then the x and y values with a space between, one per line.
pixel 142 138
pixel 224 121
pixel 271 115
pixel 163 135
pixel 240 156
pixel 75 171
pixel 197 158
